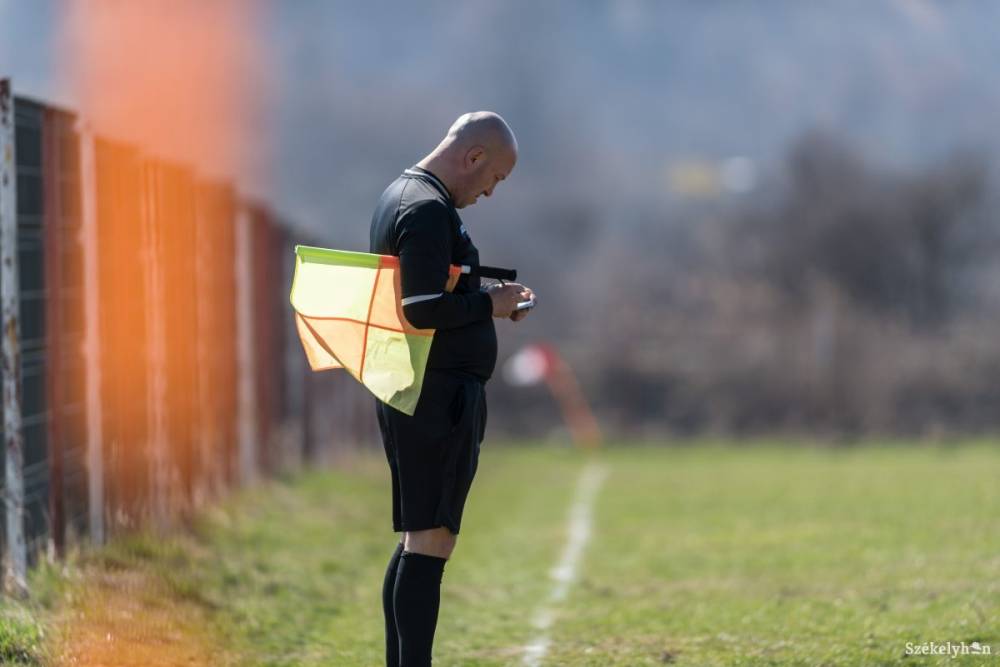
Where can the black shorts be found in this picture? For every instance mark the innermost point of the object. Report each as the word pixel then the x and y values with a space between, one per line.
pixel 433 455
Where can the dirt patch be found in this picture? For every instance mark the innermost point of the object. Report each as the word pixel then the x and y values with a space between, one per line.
pixel 133 617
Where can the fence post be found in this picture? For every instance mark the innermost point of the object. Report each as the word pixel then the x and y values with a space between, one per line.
pixel 52 236
pixel 308 437
pixel 246 398
pixel 17 553
pixel 204 437
pixel 159 473
pixel 92 336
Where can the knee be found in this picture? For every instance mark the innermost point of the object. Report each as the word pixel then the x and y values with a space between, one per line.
pixel 439 542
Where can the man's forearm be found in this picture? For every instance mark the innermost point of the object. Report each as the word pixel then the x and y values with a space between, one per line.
pixel 449 311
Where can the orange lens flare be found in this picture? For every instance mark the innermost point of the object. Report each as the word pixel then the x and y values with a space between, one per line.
pixel 169 90
pixel 176 77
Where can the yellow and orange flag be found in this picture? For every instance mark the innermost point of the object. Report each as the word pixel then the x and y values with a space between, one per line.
pixel 348 314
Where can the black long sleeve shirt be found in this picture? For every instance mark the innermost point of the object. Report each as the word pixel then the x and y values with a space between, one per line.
pixel 416 220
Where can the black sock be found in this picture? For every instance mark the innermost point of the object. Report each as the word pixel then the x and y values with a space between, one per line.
pixel 388 586
pixel 416 600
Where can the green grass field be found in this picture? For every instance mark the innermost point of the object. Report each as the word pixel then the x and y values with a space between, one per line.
pixel 698 556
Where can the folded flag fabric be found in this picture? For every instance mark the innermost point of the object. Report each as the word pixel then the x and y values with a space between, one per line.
pixel 348 315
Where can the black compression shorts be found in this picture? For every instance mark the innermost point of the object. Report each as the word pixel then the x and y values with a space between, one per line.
pixel 433 455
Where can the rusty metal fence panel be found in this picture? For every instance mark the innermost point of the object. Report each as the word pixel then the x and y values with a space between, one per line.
pixel 216 214
pixel 123 348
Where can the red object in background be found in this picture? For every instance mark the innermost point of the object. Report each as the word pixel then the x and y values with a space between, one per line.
pixel 542 362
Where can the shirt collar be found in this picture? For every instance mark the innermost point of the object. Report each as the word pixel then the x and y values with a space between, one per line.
pixel 420 172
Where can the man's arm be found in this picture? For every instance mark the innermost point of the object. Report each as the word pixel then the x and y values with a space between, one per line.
pixel 424 246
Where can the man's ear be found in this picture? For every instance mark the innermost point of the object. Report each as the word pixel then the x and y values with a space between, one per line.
pixel 474 157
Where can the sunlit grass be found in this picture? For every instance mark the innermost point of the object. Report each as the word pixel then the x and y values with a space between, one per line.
pixel 699 556
pixel 788 556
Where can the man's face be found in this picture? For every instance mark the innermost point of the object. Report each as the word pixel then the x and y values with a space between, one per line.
pixel 484 173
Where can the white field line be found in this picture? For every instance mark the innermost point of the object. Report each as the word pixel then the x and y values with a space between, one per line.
pixel 565 573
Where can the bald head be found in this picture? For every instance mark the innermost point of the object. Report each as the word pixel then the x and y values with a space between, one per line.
pixel 478 152
pixel 481 128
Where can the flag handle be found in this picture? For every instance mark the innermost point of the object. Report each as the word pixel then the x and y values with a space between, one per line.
pixel 491 272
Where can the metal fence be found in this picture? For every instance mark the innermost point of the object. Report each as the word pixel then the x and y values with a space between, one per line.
pixel 150 359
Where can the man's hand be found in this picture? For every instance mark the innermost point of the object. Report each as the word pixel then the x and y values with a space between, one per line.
pixel 506 297
pixel 526 295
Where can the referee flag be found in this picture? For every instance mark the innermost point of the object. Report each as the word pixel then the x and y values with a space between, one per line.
pixel 348 315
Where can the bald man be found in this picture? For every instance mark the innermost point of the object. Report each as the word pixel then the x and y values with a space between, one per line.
pixel 433 455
